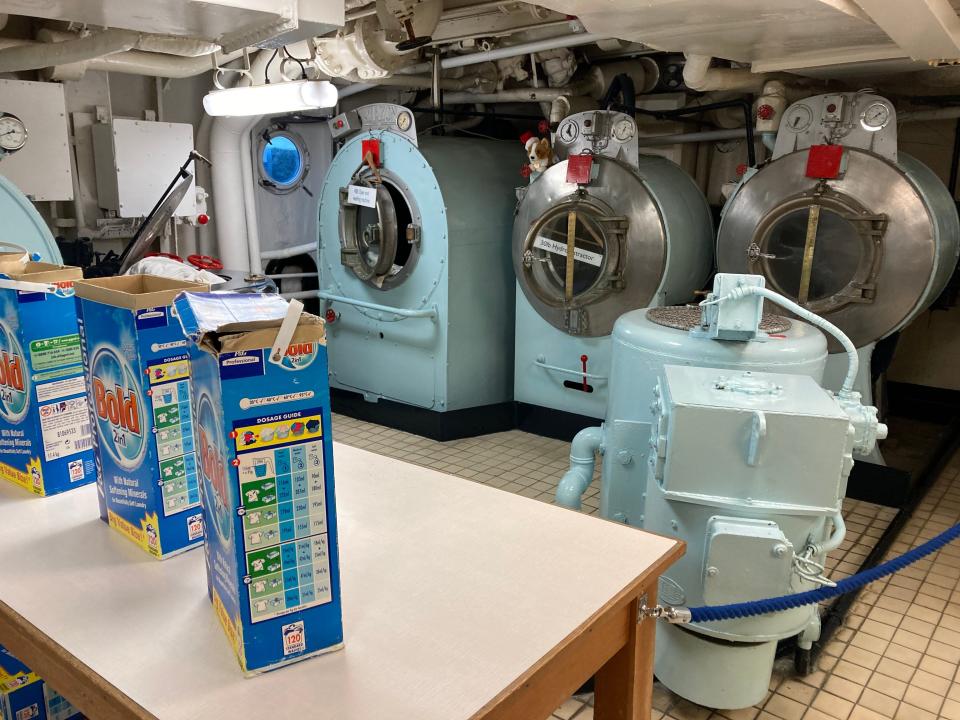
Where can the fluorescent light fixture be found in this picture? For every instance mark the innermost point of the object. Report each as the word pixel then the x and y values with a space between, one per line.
pixel 277 97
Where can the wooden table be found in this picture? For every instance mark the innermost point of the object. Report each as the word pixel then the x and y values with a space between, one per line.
pixel 460 601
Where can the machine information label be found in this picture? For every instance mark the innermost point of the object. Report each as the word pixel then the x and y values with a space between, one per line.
pixel 359 195
pixel 61 388
pixel 559 248
pixel 65 427
pixel 285 518
pixel 55 352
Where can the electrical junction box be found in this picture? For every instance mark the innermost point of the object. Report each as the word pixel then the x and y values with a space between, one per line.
pixel 135 160
pixel 735 319
pixel 745 559
pixel 41 169
pixel 777 442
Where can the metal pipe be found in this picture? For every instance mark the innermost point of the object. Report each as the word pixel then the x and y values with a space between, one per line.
pixel 284 253
pixel 586 444
pixel 564 41
pixel 290 276
pixel 696 109
pixel 698 75
pixel 35 56
pixel 430 312
pixel 517 95
pixel 692 137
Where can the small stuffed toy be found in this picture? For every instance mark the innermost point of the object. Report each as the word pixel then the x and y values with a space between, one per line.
pixel 539 153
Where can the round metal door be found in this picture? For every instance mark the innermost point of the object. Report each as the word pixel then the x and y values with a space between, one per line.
pixel 584 256
pixel 860 250
pixel 379 229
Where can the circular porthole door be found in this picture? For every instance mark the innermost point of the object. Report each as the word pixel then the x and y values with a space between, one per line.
pixel 283 161
pixel 380 235
pixel 585 256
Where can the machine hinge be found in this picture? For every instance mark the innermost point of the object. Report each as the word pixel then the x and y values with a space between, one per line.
pixel 575 321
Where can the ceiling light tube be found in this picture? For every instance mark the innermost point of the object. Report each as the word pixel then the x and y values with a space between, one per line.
pixel 277 97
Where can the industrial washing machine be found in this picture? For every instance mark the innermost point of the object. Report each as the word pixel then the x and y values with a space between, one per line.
pixel 712 417
pixel 415 275
pixel 844 224
pixel 603 231
pixel 23 228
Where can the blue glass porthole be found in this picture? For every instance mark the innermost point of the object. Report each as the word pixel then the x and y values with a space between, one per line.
pixel 283 161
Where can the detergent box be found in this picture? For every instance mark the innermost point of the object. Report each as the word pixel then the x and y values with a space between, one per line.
pixel 137 369
pixel 262 408
pixel 24 696
pixel 45 442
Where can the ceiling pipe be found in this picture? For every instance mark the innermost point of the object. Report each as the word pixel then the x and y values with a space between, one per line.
pixel 564 41
pixel 36 56
pixel 699 76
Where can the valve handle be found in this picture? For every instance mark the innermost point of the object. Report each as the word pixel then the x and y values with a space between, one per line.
pixel 205 262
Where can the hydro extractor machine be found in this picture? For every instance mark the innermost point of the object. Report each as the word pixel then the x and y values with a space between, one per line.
pixel 603 231
pixel 843 223
pixel 414 265
pixel 712 417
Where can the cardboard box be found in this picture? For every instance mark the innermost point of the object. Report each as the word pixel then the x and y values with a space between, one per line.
pixel 137 373
pixel 45 440
pixel 25 696
pixel 266 464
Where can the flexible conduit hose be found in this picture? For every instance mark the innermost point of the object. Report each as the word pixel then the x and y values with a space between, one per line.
pixel 708 613
pixel 853 360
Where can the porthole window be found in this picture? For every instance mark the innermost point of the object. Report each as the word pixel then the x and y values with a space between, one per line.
pixel 283 161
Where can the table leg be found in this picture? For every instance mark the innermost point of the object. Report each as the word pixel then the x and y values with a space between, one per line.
pixel 624 685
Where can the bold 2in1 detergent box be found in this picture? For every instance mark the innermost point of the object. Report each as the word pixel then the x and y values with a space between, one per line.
pixel 266 465
pixel 137 367
pixel 45 441
pixel 24 696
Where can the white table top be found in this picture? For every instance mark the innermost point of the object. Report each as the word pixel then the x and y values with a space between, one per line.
pixel 451 591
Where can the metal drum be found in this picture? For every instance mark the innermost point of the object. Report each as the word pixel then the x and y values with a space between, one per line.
pixel 638 231
pixel 868 243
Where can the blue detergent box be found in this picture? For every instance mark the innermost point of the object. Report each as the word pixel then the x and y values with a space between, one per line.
pixel 137 368
pixel 25 696
pixel 45 440
pixel 266 466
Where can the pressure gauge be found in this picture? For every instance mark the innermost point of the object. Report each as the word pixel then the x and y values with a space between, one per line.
pixel 798 118
pixel 623 130
pixel 13 133
pixel 568 132
pixel 875 117
pixel 403 121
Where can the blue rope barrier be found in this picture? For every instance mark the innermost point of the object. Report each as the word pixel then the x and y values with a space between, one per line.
pixel 707 613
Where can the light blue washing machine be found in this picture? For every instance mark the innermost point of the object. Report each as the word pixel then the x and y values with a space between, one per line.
pixel 22 227
pixel 415 275
pixel 636 232
pixel 868 241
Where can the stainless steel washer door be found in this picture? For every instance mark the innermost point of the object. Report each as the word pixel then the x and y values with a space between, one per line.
pixel 583 257
pixel 864 262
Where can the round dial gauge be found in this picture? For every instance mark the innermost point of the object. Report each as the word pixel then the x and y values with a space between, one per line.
pixel 875 117
pixel 13 133
pixel 798 118
pixel 403 121
pixel 568 132
pixel 623 130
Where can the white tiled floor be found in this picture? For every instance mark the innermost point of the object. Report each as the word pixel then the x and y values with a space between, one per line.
pixel 897 656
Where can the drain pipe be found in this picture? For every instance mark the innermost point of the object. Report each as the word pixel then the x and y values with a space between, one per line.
pixel 586 444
